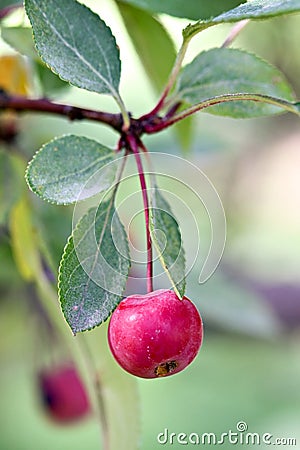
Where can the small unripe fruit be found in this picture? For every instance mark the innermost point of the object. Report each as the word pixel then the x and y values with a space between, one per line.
pixel 63 394
pixel 155 335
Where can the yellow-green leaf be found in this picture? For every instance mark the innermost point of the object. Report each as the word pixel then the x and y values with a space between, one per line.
pixel 24 240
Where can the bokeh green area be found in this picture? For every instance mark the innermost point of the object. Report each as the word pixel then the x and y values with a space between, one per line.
pixel 249 366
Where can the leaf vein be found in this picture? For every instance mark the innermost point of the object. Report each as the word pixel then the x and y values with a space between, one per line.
pixel 76 52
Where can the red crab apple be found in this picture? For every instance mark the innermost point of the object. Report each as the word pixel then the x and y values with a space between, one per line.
pixel 63 394
pixel 156 334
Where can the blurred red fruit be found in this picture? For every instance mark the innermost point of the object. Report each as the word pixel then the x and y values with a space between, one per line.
pixel 63 394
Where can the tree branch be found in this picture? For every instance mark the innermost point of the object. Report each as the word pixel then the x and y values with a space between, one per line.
pixel 23 104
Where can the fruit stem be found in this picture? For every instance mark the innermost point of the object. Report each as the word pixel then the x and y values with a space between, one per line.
pixel 149 163
pixel 134 146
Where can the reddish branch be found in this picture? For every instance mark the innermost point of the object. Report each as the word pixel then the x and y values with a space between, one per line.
pixel 130 140
pixel 146 124
pixel 23 104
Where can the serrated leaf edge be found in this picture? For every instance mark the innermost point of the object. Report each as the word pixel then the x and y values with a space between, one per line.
pixel 112 89
pixel 249 53
pixel 59 279
pixel 281 109
pixel 192 29
pixel 27 175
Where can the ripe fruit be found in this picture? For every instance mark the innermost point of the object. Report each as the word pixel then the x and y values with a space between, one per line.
pixel 155 335
pixel 63 394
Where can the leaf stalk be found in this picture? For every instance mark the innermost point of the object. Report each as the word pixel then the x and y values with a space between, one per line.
pixel 172 78
pixel 167 122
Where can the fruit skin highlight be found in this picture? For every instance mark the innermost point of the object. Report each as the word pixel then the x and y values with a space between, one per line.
pixel 63 394
pixel 155 335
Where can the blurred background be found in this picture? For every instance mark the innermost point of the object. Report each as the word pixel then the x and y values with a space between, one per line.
pixel 249 366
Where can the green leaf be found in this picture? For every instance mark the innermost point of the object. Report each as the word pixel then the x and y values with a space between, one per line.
pixel 69 169
pixel 20 38
pixel 5 3
pixel 76 44
pixel 24 241
pixel 53 226
pixel 222 71
pixel 191 9
pixel 49 82
pixel 259 9
pixel 152 43
pixel 11 183
pixel 253 9
pixel 166 237
pixel 93 271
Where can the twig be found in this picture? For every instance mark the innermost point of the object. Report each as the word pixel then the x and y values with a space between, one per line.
pixel 172 78
pixel 23 104
pixel 234 32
